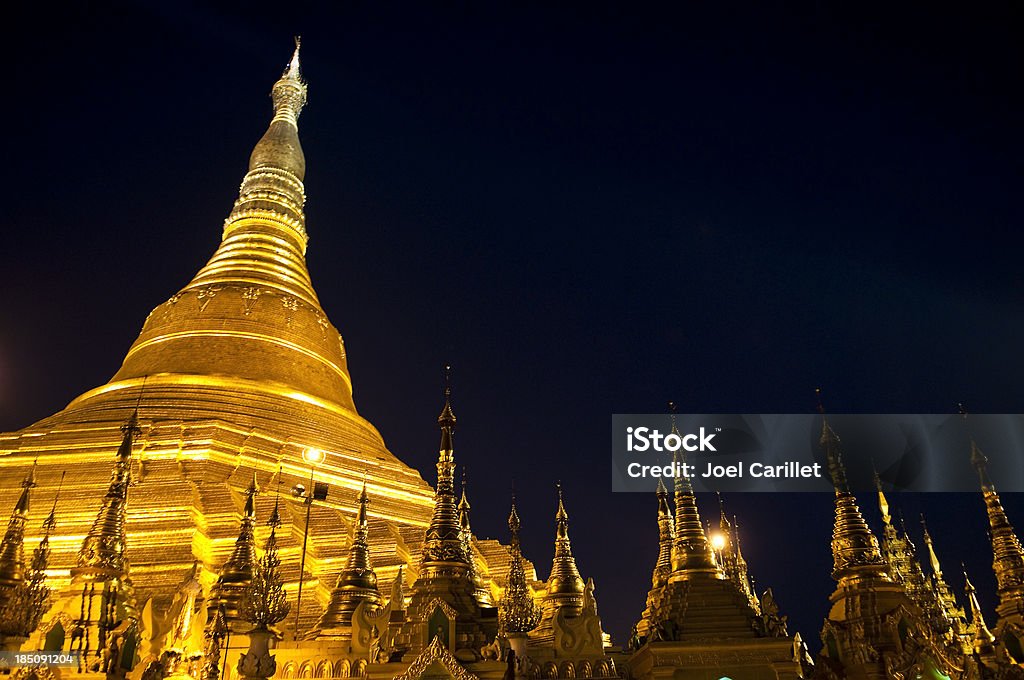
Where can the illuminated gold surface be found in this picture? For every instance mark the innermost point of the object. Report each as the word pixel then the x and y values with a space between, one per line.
pixel 241 383
pixel 237 374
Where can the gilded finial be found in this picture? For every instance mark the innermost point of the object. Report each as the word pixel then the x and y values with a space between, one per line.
pixel 289 93
pixel 464 501
pixel 364 500
pixel 26 484
pixel 447 418
pixel 561 514
pixel 251 492
pixel 513 521
pixel 979 461
pixel 933 559
pixel 51 520
pixel 883 503
pixel 293 66
pixel 30 478
pixel 274 521
pixel 829 441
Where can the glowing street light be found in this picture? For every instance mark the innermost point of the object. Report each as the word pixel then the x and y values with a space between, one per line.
pixel 313 456
pixel 317 492
pixel 719 541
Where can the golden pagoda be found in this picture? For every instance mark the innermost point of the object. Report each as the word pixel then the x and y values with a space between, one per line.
pixel 237 374
pixel 874 627
pixel 183 526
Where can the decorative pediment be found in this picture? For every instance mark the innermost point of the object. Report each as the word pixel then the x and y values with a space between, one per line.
pixel 436 653
pixel 428 610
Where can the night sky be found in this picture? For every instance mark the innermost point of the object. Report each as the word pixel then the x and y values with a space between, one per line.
pixel 586 211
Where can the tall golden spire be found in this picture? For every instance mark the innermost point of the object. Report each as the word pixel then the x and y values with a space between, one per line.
pixel 854 547
pixel 12 551
pixel 271 194
pixel 1007 554
pixel 357 582
pixel 666 537
pixel 444 535
pixel 102 555
pixel 251 312
pixel 517 612
pixel 236 573
pixel 565 585
pixel 691 552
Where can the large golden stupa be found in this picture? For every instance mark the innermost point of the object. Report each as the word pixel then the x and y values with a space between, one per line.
pixel 182 540
pixel 239 372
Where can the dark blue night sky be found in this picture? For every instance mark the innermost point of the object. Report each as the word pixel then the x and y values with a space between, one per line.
pixel 586 210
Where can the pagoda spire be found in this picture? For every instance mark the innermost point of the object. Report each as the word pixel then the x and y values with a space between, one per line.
pixel 236 573
pixel 265 601
pixel 252 305
pixel 517 612
pixel 272 190
pixel 951 611
pixel 22 604
pixel 854 547
pixel 480 590
pixel 444 535
pixel 984 640
pixel 357 582
pixel 12 551
pixel 933 559
pixel 565 585
pixel 1007 554
pixel 102 555
pixel 691 553
pixel 895 549
pixel 666 537
pixel 743 579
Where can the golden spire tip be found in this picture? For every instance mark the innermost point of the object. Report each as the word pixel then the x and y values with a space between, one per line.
pixel 293 66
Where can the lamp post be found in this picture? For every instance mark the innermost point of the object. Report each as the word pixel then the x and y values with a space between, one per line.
pixel 317 492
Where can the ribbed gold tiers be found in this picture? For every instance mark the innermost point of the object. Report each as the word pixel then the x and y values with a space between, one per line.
pixel 238 373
